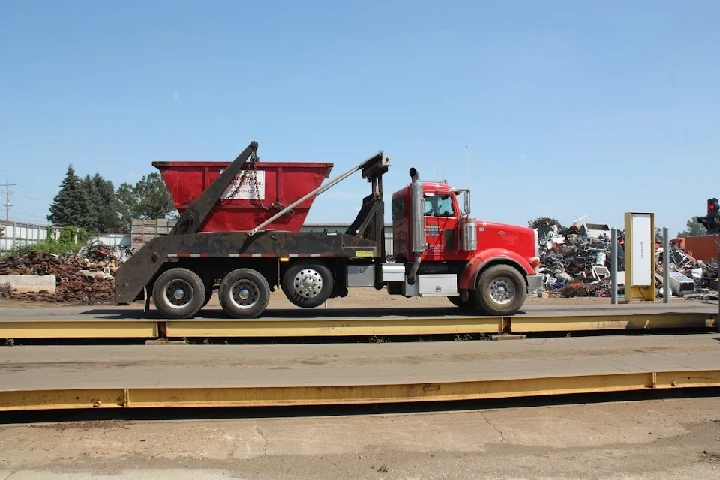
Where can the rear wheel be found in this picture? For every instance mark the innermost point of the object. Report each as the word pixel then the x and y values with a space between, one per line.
pixel 244 293
pixel 307 285
pixel 500 290
pixel 178 293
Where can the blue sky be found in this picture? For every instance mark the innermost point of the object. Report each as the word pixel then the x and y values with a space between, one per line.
pixel 567 108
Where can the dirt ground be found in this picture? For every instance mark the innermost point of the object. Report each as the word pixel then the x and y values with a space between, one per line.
pixel 676 438
pixel 652 439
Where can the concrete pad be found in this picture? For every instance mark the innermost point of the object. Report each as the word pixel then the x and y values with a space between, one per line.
pixel 131 366
pixel 30 283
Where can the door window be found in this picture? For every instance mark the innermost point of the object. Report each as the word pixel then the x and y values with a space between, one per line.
pixel 438 206
pixel 398 208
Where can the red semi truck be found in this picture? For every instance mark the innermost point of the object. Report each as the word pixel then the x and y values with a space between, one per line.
pixel 239 233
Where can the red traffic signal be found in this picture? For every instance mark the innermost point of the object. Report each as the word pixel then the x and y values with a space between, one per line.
pixel 712 207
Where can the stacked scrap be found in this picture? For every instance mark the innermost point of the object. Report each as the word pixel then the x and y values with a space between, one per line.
pixel 576 264
pixel 105 257
pixel 74 279
pixel 690 278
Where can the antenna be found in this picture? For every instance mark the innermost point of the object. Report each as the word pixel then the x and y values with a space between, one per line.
pixel 467 167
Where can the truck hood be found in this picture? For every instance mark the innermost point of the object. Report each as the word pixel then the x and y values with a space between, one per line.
pixel 512 237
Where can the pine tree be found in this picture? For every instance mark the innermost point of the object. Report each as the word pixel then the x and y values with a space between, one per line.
pixel 109 216
pixel 95 201
pixel 106 217
pixel 72 204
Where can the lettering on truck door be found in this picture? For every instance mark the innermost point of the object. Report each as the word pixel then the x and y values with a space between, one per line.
pixel 440 224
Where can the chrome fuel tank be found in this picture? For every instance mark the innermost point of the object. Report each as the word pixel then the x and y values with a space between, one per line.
pixel 468 239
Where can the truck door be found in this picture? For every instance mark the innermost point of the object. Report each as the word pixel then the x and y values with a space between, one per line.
pixel 441 224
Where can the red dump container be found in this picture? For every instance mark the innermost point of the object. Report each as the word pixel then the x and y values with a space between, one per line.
pixel 279 184
pixel 702 248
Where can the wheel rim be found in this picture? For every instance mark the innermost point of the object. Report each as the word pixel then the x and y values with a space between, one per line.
pixel 502 291
pixel 244 294
pixel 178 293
pixel 308 283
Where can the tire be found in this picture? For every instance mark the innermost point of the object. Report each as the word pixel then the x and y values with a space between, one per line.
pixel 308 285
pixel 500 290
pixel 244 293
pixel 178 293
pixel 467 306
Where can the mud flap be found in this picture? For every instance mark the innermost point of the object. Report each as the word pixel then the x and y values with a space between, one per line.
pixel 146 307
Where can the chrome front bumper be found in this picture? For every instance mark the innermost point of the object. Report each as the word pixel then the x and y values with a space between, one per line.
pixel 535 283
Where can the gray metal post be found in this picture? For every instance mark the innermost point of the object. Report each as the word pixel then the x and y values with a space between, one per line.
pixel 717 320
pixel 666 266
pixel 613 266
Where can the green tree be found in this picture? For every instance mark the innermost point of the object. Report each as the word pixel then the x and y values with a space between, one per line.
pixel 154 200
pixel 693 228
pixel 658 235
pixel 95 202
pixel 103 198
pixel 72 204
pixel 544 225
pixel 127 205
pixel 147 199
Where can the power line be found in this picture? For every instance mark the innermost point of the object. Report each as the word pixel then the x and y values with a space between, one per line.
pixel 28 197
pixel 7 186
pixel 26 214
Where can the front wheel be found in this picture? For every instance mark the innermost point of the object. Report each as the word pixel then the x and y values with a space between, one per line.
pixel 307 285
pixel 500 290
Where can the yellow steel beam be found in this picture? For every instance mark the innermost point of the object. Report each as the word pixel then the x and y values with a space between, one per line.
pixel 350 394
pixel 80 329
pixel 62 399
pixel 637 321
pixel 150 329
pixel 334 327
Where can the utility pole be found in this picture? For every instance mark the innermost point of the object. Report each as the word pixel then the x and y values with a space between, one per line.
pixel 7 186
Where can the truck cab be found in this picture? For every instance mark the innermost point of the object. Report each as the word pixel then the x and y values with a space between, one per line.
pixel 478 265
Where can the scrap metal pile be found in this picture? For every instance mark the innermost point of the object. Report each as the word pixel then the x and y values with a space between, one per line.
pixel 106 257
pixel 84 277
pixel 576 265
pixel 689 277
